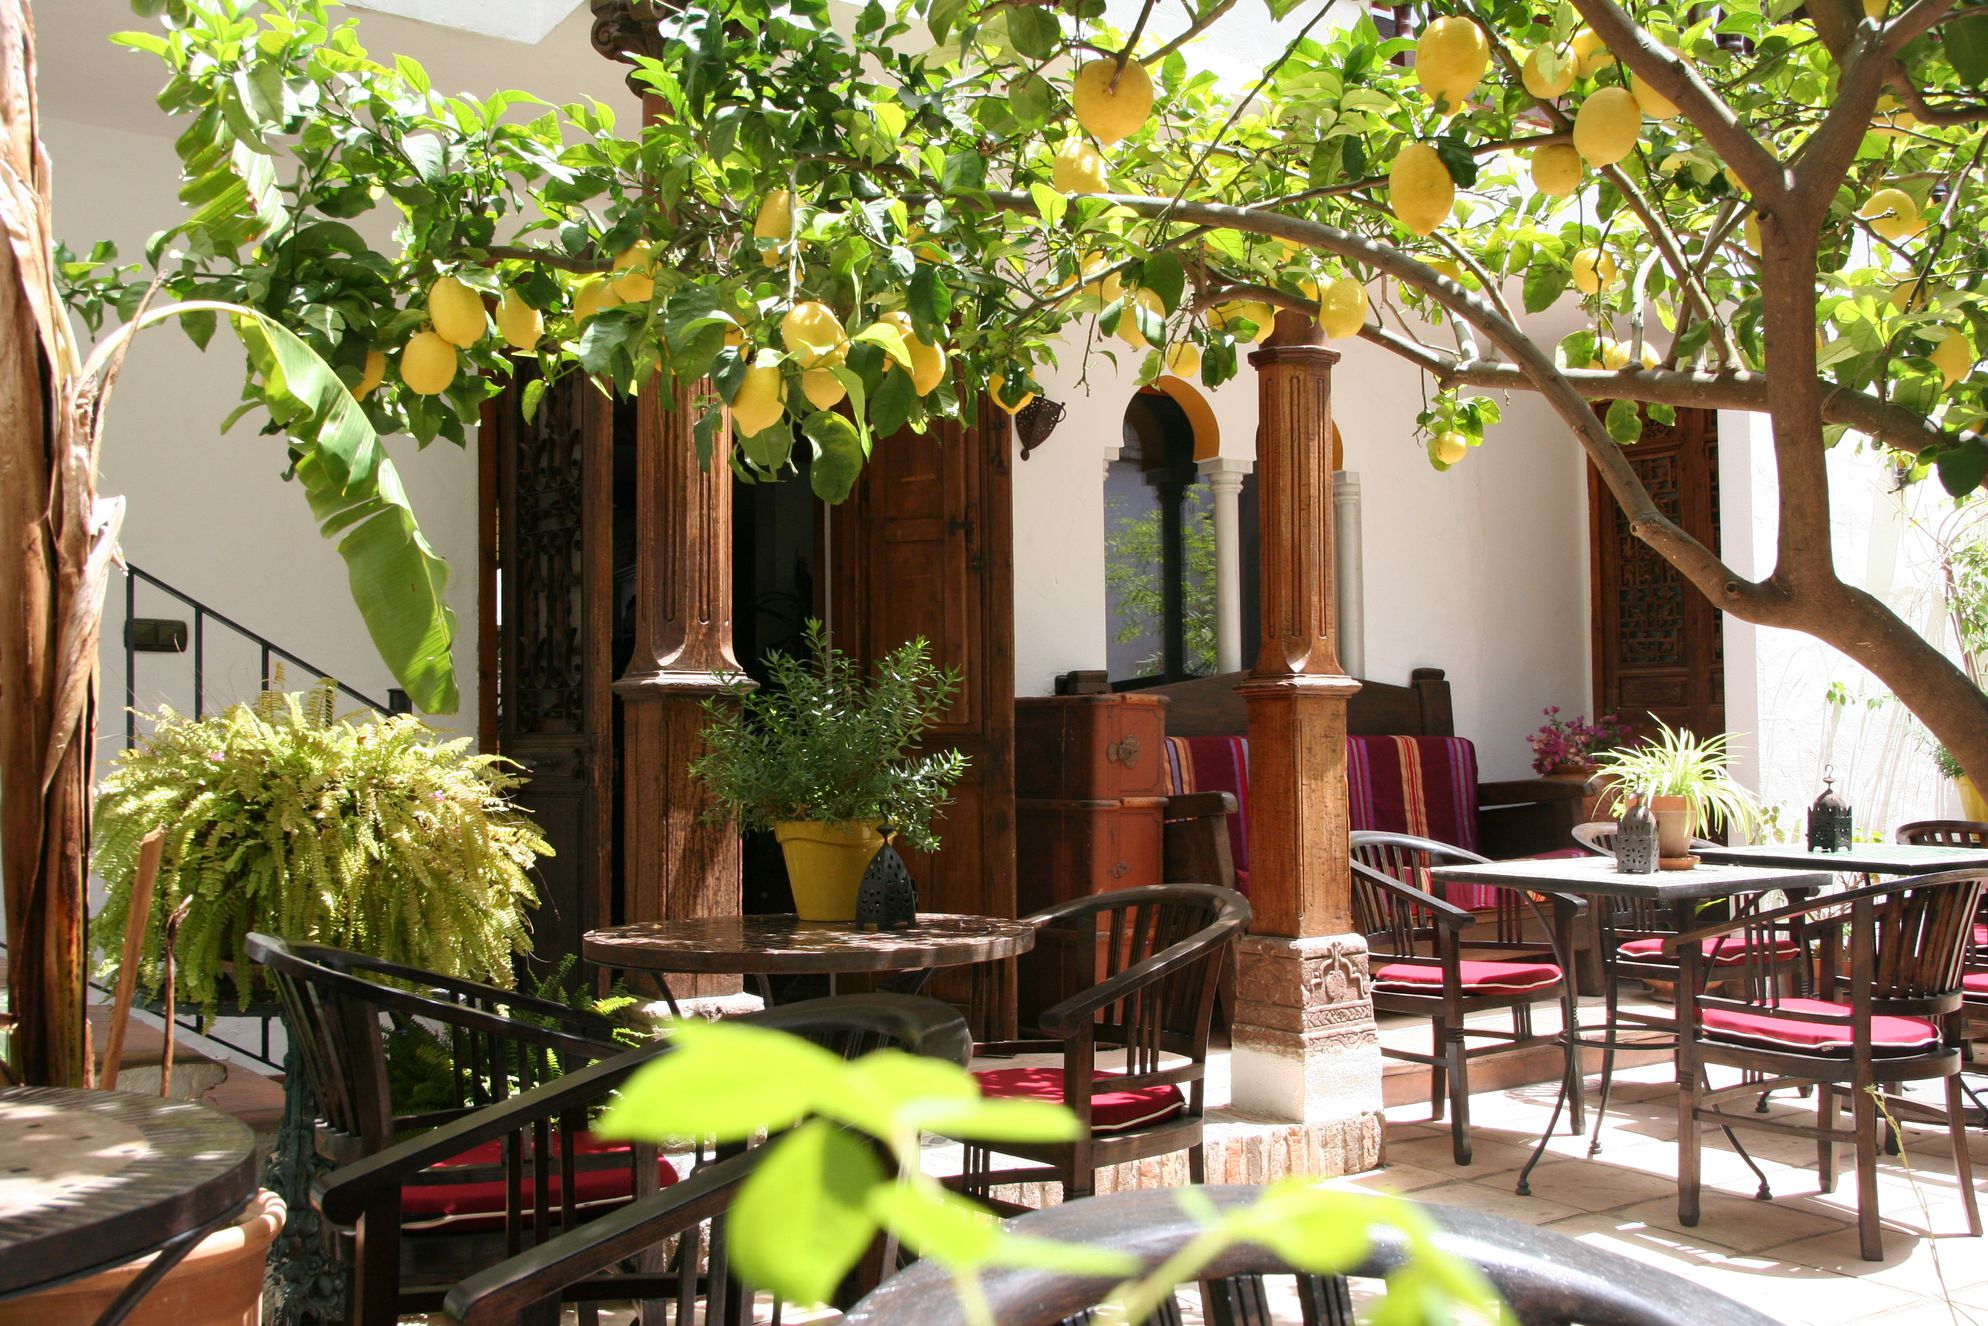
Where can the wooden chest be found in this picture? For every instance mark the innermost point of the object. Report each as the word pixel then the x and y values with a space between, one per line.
pixel 1090 747
pixel 1071 849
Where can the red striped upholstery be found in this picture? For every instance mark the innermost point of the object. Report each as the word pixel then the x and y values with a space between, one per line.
pixel 464 1208
pixel 1111 1111
pixel 1479 978
pixel 1723 950
pixel 1216 764
pixel 1765 1029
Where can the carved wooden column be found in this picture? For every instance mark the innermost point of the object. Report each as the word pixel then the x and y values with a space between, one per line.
pixel 1304 1035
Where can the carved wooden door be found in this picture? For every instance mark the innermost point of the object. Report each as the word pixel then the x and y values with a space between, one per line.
pixel 924 547
pixel 545 666
pixel 1658 643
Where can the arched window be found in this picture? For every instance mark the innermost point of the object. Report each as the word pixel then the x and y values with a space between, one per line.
pixel 1159 550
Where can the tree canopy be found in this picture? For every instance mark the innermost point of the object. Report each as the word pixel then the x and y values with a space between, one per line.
pixel 847 219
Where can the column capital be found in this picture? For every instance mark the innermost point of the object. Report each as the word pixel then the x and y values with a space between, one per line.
pixel 1225 473
pixel 625 28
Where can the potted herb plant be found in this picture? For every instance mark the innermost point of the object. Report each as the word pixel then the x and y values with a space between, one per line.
pixel 370 834
pixel 1686 778
pixel 822 757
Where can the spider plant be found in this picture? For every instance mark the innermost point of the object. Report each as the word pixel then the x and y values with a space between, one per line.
pixel 1679 763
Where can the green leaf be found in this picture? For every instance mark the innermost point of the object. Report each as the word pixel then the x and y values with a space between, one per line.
pixel 931 302
pixel 1624 422
pixel 966 172
pixel 986 1120
pixel 1035 32
pixel 1966 41
pixel 803 1219
pixel 838 458
pixel 892 406
pixel 886 338
pixel 937 1224
pixel 1962 468
pixel 1049 204
pixel 725 1081
pixel 1162 274
pixel 1544 284
pixel 1659 413
pixel 534 392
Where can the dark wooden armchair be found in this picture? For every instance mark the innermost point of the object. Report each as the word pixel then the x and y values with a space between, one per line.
pixel 1133 1044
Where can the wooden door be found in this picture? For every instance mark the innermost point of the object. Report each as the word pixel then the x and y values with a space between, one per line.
pixel 924 547
pixel 1658 643
pixel 545 667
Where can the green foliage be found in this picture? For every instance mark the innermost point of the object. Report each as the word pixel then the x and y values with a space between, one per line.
pixel 1134 563
pixel 363 834
pixel 821 1195
pixel 820 742
pixel 1680 764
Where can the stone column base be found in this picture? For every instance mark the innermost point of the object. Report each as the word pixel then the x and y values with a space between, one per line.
pixel 1305 1045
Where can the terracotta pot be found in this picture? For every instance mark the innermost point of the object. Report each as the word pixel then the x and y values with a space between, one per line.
pixel 1673 825
pixel 219 1283
pixel 825 865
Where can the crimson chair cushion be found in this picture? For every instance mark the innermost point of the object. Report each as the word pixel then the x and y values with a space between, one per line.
pixel 464 1208
pixel 1723 950
pixel 1111 1111
pixel 1479 978
pixel 1770 1031
pixel 1974 985
pixel 1981 935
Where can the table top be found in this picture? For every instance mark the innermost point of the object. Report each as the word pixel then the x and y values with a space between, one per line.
pixel 1598 875
pixel 785 944
pixel 91 1179
pixel 1862 858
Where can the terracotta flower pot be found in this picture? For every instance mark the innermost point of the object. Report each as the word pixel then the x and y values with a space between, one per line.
pixel 219 1283
pixel 825 865
pixel 1673 825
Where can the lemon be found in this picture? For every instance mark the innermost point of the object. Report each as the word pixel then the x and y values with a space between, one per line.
pixel 1419 189
pixel 634 285
pixel 1128 323
pixel 1590 56
pixel 1556 170
pixel 1342 308
pixel 994 390
pixel 1260 315
pixel 1451 447
pixel 1654 103
pixel 1750 232
pixel 594 294
pixel 1606 127
pixel 775 222
pixel 813 335
pixel 1875 9
pixel 761 400
pixel 457 312
pixel 1112 113
pixel 1184 359
pixel 928 366
pixel 1538 82
pixel 735 336
pixel 1078 167
pixel 1892 119
pixel 374 373
pixel 1892 213
pixel 1614 354
pixel 1906 297
pixel 1450 59
pixel 428 364
pixel 1593 269
pixel 1953 356
pixel 822 388
pixel 521 325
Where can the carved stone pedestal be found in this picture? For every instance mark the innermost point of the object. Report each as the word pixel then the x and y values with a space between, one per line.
pixel 1305 1044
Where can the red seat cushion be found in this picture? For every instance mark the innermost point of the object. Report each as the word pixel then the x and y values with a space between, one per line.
pixel 1981 935
pixel 1479 978
pixel 1974 985
pixel 1770 1031
pixel 1723 950
pixel 464 1208
pixel 1111 1111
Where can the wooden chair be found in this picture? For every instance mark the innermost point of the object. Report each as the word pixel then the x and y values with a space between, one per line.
pixel 1888 1014
pixel 1974 981
pixel 1161 949
pixel 1416 950
pixel 616 1255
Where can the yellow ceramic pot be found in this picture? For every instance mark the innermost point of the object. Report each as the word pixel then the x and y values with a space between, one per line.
pixel 825 864
pixel 1973 805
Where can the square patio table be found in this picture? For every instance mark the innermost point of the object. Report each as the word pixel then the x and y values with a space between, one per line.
pixel 1674 890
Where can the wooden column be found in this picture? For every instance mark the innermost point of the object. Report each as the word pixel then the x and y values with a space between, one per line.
pixel 674 863
pixel 1304 1035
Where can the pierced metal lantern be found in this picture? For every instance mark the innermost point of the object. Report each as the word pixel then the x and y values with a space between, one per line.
pixel 887 898
pixel 1829 818
pixel 1636 839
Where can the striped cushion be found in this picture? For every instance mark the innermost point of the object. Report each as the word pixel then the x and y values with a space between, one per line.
pixel 464 1208
pixel 1769 1031
pixel 1479 978
pixel 1426 786
pixel 1723 950
pixel 1216 764
pixel 1111 1111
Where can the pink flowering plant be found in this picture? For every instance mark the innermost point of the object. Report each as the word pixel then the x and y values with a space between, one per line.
pixel 1563 741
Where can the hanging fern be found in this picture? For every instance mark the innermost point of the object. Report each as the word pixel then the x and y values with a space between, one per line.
pixel 369 834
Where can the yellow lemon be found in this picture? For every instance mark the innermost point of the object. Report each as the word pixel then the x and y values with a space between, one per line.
pixel 735 336
pixel 1342 308
pixel 1875 9
pixel 822 388
pixel 1653 103
pixel 1606 127
pixel 371 376
pixel 1451 447
pixel 1593 269
pixel 994 390
pixel 1419 189
pixel 1128 323
pixel 775 222
pixel 928 366
pixel 813 335
pixel 1184 359
pixel 761 400
pixel 1543 85
pixel 1892 120
pixel 428 364
pixel 1590 56
pixel 1112 113
pixel 634 285
pixel 1910 297
pixel 1892 213
pixel 1614 354
pixel 1556 170
pixel 1078 167
pixel 1450 59
pixel 594 294
pixel 1260 315
pixel 521 325
pixel 1750 232
pixel 1953 355
pixel 457 312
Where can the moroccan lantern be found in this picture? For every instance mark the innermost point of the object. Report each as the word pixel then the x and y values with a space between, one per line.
pixel 1636 839
pixel 1829 818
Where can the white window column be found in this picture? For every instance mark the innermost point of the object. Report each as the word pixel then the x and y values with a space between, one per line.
pixel 1349 579
pixel 1225 483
